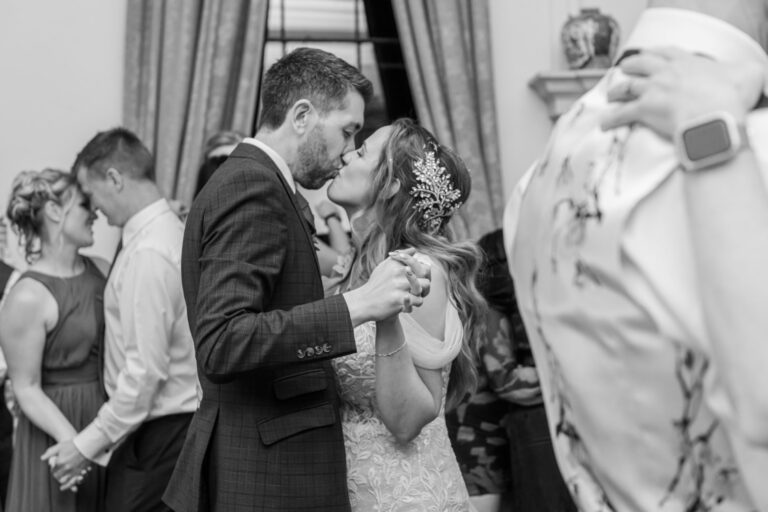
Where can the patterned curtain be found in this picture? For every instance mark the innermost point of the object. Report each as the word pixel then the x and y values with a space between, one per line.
pixel 192 68
pixel 447 51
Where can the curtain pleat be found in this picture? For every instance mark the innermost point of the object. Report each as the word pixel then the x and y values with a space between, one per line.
pixel 447 51
pixel 191 69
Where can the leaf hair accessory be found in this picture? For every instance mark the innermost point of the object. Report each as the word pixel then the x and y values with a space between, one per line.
pixel 436 197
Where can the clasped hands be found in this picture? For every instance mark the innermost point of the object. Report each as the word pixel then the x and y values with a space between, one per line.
pixel 398 284
pixel 68 466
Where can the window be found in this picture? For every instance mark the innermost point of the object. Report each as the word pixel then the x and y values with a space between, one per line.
pixel 362 32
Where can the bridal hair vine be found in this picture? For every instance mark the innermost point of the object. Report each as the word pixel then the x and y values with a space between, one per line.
pixel 436 197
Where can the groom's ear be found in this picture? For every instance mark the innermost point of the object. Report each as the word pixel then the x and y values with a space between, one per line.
pixel 302 116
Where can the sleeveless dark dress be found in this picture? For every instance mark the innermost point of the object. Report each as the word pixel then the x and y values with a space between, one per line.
pixel 6 421
pixel 70 378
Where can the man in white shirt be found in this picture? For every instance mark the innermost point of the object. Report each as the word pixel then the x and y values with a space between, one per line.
pixel 640 269
pixel 149 363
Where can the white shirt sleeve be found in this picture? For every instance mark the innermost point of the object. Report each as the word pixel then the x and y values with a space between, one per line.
pixel 667 285
pixel 147 316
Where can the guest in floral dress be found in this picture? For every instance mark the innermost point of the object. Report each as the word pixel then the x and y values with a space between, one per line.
pixel 499 432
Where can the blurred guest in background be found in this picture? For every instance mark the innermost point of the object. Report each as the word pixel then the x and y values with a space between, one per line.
pixel 499 432
pixel 638 244
pixel 149 362
pixel 51 328
pixel 217 149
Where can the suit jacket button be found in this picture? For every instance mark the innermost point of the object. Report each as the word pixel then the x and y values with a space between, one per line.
pixel 310 352
pixel 300 354
pixel 327 348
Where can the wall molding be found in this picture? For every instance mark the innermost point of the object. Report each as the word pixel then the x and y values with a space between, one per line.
pixel 560 89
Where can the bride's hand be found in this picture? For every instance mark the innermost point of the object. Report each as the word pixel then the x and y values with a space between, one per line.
pixel 419 270
pixel 388 291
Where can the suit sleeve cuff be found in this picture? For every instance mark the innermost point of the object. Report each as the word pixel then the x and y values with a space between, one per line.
pixel 94 444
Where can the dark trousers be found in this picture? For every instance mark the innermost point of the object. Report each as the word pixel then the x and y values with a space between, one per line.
pixel 6 444
pixel 141 466
pixel 537 485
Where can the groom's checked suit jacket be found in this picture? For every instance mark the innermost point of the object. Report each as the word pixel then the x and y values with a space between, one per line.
pixel 267 435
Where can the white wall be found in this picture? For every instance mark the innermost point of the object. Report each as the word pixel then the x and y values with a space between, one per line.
pixel 526 40
pixel 61 82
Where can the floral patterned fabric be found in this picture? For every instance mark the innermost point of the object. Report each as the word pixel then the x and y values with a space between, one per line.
pixel 598 243
pixel 422 475
pixel 506 375
pixel 476 425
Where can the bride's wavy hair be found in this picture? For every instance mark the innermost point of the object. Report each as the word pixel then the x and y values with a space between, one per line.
pixel 395 220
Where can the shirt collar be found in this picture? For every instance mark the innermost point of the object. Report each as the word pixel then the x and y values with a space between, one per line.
pixel 695 32
pixel 279 162
pixel 142 218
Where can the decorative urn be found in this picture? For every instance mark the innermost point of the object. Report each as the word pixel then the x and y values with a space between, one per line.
pixel 590 39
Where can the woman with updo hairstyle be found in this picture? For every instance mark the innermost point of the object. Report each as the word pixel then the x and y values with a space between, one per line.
pixel 401 188
pixel 51 329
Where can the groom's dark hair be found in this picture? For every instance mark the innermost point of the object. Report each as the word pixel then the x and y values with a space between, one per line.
pixel 308 73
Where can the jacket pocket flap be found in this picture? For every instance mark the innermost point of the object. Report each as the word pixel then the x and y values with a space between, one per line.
pixel 300 384
pixel 277 429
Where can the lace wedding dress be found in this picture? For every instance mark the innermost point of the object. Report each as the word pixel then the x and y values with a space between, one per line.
pixel 383 475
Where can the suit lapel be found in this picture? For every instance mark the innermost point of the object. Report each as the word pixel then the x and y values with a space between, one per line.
pixel 245 150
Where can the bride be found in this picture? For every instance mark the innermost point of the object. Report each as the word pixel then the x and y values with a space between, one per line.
pixel 401 188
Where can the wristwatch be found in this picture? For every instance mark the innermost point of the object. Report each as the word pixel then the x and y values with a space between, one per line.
pixel 709 140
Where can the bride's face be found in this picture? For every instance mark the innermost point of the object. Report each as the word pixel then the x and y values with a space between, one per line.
pixel 352 187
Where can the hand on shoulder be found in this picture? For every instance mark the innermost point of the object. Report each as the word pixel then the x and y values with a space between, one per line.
pixel 666 87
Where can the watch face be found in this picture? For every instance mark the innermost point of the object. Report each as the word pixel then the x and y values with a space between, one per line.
pixel 707 139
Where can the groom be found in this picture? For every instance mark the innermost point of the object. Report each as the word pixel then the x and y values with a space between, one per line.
pixel 267 435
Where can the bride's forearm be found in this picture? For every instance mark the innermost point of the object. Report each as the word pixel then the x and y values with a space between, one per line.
pixel 406 403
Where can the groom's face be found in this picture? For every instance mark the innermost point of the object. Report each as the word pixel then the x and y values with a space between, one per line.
pixel 320 154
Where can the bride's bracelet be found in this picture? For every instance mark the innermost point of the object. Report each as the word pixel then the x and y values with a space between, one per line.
pixel 389 354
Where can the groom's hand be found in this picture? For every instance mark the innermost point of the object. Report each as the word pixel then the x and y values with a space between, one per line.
pixel 68 465
pixel 393 287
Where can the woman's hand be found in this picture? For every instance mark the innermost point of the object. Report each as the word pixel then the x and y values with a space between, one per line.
pixel 666 87
pixel 419 273
pixel 67 464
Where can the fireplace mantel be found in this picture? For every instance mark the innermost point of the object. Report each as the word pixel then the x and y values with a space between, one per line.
pixel 560 89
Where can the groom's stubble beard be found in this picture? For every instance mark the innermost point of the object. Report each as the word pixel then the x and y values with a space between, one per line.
pixel 314 167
